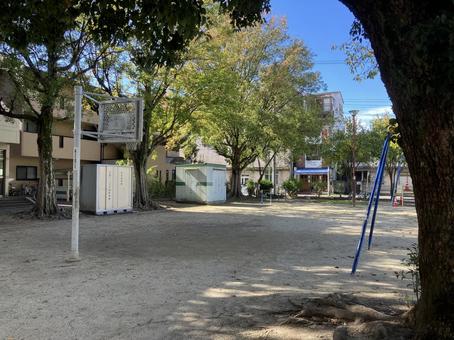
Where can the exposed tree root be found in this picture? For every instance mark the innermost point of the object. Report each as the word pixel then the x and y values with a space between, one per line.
pixel 353 319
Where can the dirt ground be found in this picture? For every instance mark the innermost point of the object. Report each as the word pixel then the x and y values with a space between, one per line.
pixel 194 272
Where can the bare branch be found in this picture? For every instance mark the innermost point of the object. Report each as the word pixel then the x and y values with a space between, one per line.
pixel 8 113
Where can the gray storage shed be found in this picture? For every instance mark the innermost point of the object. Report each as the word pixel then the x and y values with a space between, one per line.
pixel 201 183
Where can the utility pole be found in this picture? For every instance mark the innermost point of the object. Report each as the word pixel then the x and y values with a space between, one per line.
pixel 354 113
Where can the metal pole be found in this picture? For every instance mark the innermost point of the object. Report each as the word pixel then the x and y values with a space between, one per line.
pixel 274 173
pixel 354 113
pixel 68 186
pixel 377 198
pixel 371 198
pixel 327 178
pixel 78 93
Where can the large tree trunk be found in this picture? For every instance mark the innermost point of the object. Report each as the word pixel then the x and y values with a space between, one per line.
pixel 413 44
pixel 141 196
pixel 235 181
pixel 392 179
pixel 46 202
pixel 140 157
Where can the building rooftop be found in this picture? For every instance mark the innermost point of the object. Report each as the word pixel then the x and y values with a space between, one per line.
pixel 325 94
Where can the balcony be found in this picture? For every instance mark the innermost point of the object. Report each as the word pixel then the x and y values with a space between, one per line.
pixel 62 147
pixel 9 131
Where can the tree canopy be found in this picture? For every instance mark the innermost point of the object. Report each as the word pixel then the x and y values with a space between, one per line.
pixel 46 44
pixel 256 82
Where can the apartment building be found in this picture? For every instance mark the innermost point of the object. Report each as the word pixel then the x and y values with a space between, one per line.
pixel 9 136
pixel 311 167
pixel 19 155
pixel 161 163
pixel 19 162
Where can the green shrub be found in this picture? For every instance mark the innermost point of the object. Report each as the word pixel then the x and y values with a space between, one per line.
pixel 266 185
pixel 412 271
pixel 157 189
pixel 319 187
pixel 291 187
pixel 300 185
pixel 250 186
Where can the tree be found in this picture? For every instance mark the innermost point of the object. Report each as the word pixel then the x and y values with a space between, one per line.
pixel 337 149
pixel 163 76
pixel 255 82
pixel 413 46
pixel 44 44
pixel 293 122
pixel 41 42
pixel 169 105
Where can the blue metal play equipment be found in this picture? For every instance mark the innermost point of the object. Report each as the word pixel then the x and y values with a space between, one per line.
pixel 373 198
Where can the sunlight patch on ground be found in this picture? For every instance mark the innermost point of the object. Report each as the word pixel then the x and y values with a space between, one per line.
pixel 256 290
pixel 288 333
pixel 271 271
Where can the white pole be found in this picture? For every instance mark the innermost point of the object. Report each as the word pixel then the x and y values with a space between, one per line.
pixel 329 189
pixel 76 173
pixel 68 186
pixel 273 173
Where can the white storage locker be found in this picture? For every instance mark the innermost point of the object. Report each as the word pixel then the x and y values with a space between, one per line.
pixel 106 189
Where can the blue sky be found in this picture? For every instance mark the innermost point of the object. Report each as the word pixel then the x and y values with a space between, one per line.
pixel 322 24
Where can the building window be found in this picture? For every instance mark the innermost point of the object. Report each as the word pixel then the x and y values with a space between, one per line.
pixel 174 175
pixel 59 182
pixel 30 126
pixel 26 172
pixel 327 104
pixel 61 142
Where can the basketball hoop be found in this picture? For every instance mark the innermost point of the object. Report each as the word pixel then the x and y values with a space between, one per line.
pixel 120 121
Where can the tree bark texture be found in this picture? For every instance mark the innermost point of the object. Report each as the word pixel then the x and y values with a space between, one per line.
pixel 141 197
pixel 235 181
pixel 46 201
pixel 140 157
pixel 392 178
pixel 413 42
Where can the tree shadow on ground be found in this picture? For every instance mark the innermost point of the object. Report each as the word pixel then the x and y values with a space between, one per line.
pixel 203 272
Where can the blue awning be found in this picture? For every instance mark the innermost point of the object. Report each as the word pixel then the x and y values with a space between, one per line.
pixel 311 171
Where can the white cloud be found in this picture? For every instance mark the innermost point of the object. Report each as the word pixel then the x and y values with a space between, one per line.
pixel 376 111
pixel 367 115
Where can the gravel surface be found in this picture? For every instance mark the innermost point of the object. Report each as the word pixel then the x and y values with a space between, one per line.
pixel 193 272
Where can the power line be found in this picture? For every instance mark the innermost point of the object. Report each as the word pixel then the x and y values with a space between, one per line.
pixel 367 100
pixel 367 105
